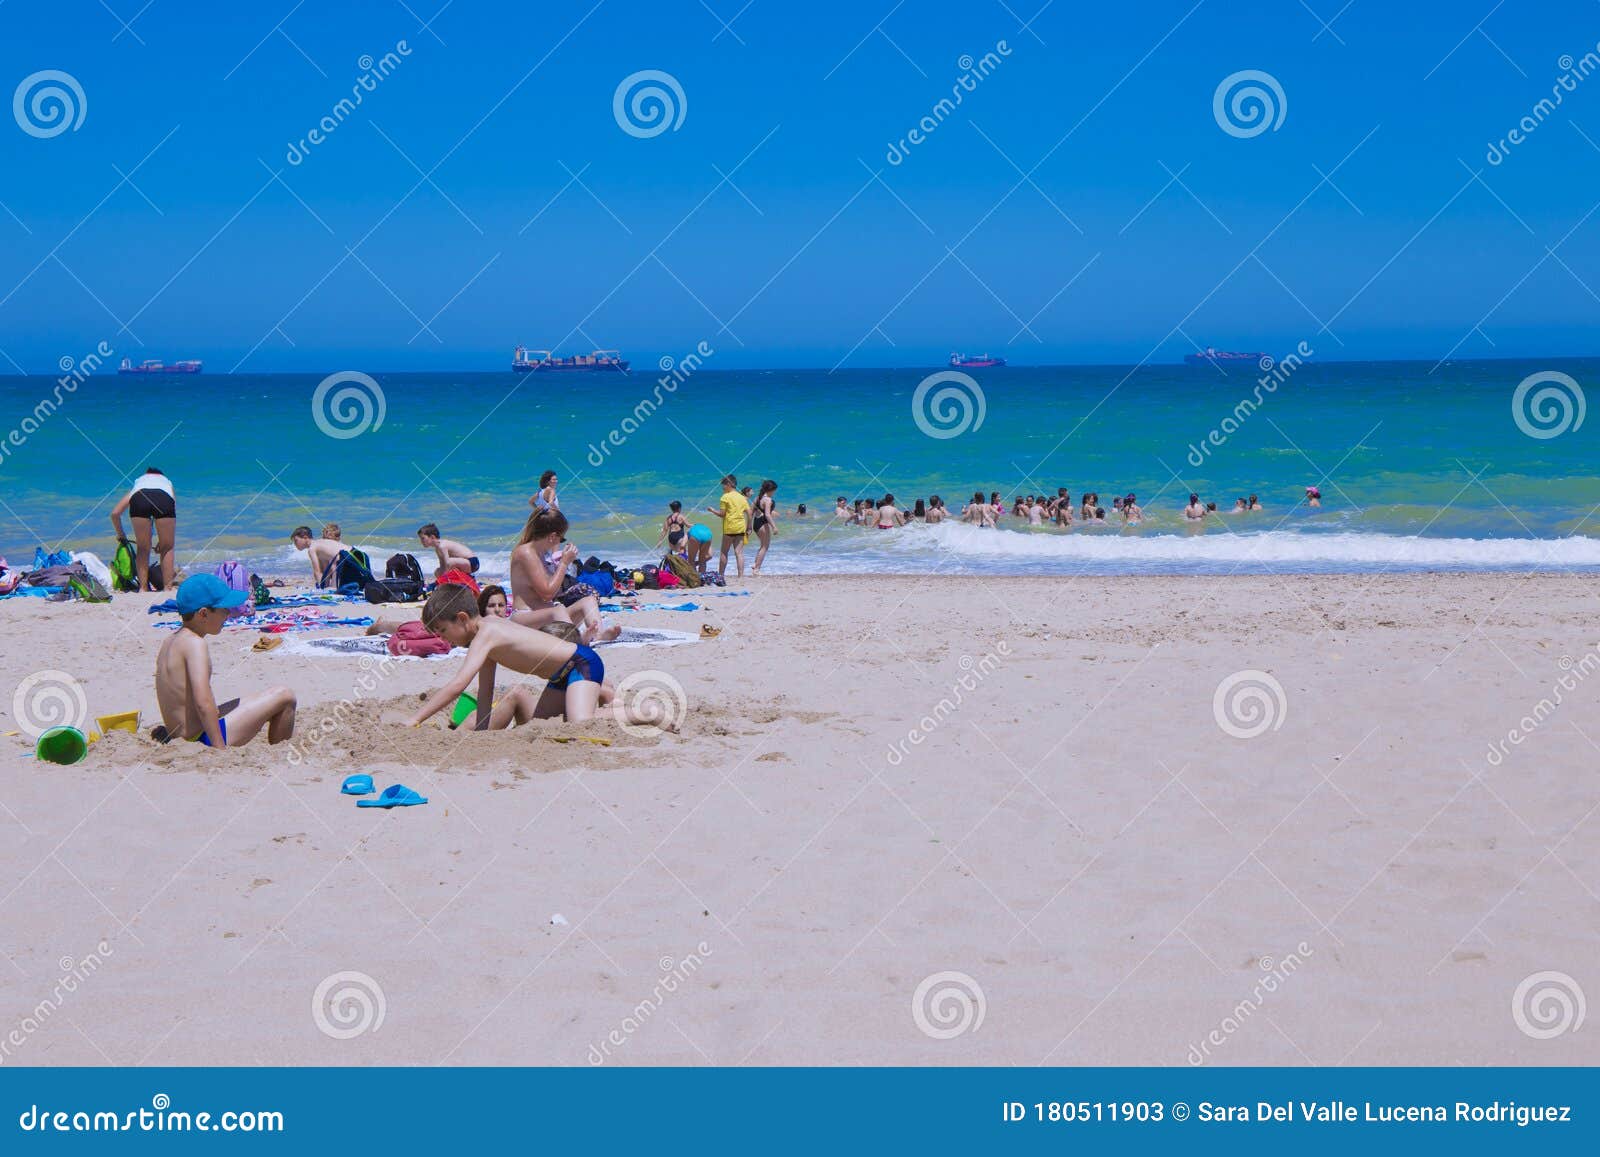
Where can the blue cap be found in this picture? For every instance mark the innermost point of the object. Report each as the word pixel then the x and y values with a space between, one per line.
pixel 197 592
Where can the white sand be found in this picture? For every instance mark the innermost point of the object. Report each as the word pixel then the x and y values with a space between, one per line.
pixel 1079 836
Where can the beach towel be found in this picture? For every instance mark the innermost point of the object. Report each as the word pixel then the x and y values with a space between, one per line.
pixel 416 640
pixel 461 578
pixel 377 646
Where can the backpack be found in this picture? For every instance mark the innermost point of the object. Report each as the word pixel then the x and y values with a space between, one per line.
pixel 394 590
pixel 679 566
pixel 404 566
pixel 351 568
pixel 124 571
pixel 648 580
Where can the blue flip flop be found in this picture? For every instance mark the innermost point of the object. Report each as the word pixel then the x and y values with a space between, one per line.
pixel 396 795
pixel 357 785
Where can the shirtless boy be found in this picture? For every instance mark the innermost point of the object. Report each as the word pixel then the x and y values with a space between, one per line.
pixel 183 676
pixel 321 551
pixel 453 555
pixel 572 669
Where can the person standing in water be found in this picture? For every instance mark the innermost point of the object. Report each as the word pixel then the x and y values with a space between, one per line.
pixel 734 511
pixel 545 497
pixel 765 520
pixel 150 503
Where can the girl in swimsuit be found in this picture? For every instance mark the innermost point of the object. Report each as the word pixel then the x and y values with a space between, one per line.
pixel 889 515
pixel 765 517
pixel 936 510
pixel 545 498
pixel 675 529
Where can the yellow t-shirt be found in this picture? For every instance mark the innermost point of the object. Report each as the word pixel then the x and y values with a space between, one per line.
pixel 734 510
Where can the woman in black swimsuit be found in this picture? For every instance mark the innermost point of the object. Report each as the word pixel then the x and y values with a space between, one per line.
pixel 675 529
pixel 151 501
pixel 766 514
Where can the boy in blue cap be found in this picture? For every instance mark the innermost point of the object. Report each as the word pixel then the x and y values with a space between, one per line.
pixel 183 676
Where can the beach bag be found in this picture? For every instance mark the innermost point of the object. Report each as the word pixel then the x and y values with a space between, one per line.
pixel 679 567
pixel 459 578
pixel 712 579
pixel 417 641
pixel 259 594
pixel 394 590
pixel 124 571
pixel 233 573
pixel 404 566
pixel 647 578
pixel 601 581
pixel 667 581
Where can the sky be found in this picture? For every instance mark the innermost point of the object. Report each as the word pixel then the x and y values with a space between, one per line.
pixel 1086 201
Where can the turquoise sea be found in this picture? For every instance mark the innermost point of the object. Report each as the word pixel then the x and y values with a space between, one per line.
pixel 1421 467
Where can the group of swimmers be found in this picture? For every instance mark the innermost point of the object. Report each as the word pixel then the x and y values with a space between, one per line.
pixel 1038 509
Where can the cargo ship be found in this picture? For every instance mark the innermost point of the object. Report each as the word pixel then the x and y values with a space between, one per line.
pixel 1224 358
pixel 981 362
pixel 527 361
pixel 155 366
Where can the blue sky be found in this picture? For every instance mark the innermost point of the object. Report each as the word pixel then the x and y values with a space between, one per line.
pixel 769 223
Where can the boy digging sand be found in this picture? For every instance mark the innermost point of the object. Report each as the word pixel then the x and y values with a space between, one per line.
pixel 573 669
pixel 183 676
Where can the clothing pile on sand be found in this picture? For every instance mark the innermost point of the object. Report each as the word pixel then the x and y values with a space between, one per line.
pixel 59 577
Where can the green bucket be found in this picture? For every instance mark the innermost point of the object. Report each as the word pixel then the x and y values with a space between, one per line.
pixel 65 745
pixel 465 706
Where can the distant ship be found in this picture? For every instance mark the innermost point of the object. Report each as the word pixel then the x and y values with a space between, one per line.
pixel 1212 357
pixel 155 366
pixel 527 361
pixel 981 362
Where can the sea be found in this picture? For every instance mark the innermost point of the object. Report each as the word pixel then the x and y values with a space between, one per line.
pixel 1458 466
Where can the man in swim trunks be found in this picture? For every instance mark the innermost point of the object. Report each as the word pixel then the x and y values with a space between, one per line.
pixel 183 676
pixel 452 555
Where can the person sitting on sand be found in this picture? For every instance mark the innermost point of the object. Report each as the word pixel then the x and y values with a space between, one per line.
pixel 183 675
pixel 541 592
pixel 1196 510
pixel 573 669
pixel 452 555
pixel 890 516
pixel 492 602
pixel 538 563
pixel 321 551
pixel 1313 496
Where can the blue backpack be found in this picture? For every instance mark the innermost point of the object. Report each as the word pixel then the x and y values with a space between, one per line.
pixel 602 582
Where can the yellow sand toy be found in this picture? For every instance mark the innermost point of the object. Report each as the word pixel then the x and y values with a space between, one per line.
pixel 123 721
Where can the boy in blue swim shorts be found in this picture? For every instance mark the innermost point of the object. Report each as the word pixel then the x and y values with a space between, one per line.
pixel 575 674
pixel 183 676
